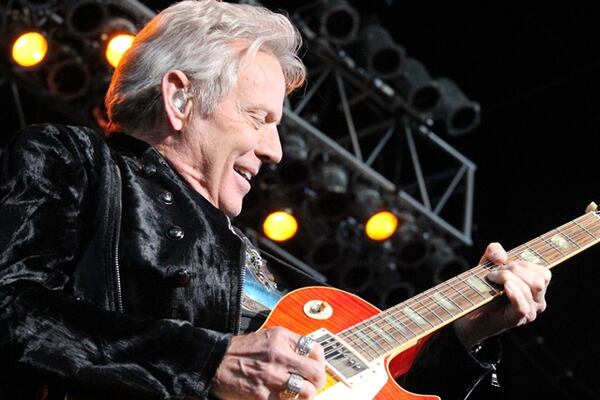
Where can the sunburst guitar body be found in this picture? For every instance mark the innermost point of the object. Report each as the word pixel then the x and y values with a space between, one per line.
pixel 322 310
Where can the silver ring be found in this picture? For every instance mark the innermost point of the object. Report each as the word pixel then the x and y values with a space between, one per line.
pixel 293 387
pixel 304 346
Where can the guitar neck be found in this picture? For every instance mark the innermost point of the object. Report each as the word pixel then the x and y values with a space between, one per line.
pixel 429 311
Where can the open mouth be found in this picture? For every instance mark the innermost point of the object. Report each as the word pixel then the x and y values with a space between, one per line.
pixel 245 174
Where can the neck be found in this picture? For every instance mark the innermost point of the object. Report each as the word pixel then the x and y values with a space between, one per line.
pixel 427 312
pixel 172 148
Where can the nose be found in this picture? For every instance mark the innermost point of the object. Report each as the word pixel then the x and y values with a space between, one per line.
pixel 269 149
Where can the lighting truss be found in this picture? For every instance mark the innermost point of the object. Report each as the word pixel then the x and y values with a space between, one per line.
pixel 73 53
pixel 363 143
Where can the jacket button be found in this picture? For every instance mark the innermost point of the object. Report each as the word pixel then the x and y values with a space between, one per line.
pixel 175 233
pixel 180 278
pixel 149 169
pixel 166 197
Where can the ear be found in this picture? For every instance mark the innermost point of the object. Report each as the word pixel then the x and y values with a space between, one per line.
pixel 173 83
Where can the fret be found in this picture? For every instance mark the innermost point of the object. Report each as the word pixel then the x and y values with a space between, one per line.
pixel 381 332
pixel 375 336
pixel 595 222
pixel 416 318
pixel 446 303
pixel 428 309
pixel 585 229
pixel 557 243
pixel 551 251
pixel 459 292
pixel 393 323
pixel 533 256
pixel 473 289
pixel 482 284
pixel 562 236
pixel 368 341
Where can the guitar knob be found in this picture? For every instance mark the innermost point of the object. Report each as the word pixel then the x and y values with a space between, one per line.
pixel 318 309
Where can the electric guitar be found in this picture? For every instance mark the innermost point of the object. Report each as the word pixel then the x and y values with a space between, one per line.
pixel 360 340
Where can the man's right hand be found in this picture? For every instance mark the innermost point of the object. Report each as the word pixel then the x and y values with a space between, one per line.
pixel 258 366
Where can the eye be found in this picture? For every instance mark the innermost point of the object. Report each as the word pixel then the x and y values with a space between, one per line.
pixel 259 118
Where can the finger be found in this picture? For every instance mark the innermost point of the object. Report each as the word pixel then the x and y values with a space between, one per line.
pixel 317 353
pixel 522 306
pixel 536 277
pixel 307 390
pixel 313 371
pixel 512 274
pixel 494 253
pixel 311 368
pixel 520 310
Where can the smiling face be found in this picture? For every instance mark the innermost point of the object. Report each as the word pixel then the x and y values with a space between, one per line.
pixel 228 148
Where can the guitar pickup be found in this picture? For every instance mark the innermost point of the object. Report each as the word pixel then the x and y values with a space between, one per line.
pixel 343 362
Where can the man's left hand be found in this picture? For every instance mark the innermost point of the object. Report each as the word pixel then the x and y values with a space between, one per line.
pixel 524 285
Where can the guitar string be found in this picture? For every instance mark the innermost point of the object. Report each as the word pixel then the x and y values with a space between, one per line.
pixel 391 332
pixel 529 245
pixel 533 245
pixel 539 246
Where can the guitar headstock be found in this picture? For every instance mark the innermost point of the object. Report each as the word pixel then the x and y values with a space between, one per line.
pixel 592 207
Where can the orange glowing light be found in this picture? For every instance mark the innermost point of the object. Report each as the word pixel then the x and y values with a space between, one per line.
pixel 29 49
pixel 280 226
pixel 381 225
pixel 116 47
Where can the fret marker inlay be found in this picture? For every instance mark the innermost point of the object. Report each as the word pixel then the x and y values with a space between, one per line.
pixel 441 299
pixel 530 256
pixel 414 316
pixel 560 242
pixel 478 285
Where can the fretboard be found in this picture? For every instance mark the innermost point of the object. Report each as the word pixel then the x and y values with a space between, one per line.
pixel 442 304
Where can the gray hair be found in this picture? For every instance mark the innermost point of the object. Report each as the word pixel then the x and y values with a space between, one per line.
pixel 196 37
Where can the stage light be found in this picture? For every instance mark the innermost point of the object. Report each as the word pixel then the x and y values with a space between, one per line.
pixel 357 276
pixel 338 21
pixel 68 79
pixel 294 169
pixel 377 52
pixel 325 253
pixel 330 181
pixel 412 246
pixel 416 86
pixel 86 17
pixel 118 35
pixel 443 261
pixel 459 114
pixel 280 226
pixel 116 47
pixel 29 49
pixel 380 223
pixel 396 293
pixel 381 226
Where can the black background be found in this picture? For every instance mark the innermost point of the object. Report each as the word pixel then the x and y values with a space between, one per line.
pixel 535 72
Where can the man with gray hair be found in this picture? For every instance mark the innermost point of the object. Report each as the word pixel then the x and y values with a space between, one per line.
pixel 120 272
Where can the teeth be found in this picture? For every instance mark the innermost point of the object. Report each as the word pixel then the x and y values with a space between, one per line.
pixel 245 174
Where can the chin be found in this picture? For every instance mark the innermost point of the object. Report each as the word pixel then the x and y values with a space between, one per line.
pixel 232 210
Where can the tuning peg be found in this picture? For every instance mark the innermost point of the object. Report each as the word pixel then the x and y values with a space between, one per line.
pixel 591 207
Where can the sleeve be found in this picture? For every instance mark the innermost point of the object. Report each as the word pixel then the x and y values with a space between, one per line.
pixel 445 368
pixel 46 181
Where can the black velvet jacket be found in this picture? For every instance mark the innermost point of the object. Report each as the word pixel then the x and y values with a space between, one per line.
pixel 117 278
